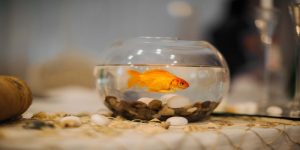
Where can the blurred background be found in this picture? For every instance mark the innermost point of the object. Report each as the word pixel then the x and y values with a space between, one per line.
pixel 56 43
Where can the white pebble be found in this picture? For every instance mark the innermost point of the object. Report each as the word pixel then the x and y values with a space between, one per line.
pixel 145 100
pixel 27 115
pixel 178 101
pixel 274 111
pixel 177 121
pixel 99 120
pixel 164 99
pixel 70 121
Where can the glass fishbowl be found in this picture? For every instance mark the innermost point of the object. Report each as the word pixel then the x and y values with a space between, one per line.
pixel 154 77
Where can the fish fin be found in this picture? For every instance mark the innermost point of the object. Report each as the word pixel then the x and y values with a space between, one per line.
pixel 153 90
pixel 159 72
pixel 156 71
pixel 133 79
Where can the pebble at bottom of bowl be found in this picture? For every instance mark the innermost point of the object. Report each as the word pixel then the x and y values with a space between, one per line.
pixel 138 110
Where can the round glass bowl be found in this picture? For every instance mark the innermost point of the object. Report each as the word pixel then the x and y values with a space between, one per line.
pixel 153 77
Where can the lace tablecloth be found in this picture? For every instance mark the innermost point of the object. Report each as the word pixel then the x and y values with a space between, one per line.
pixel 215 133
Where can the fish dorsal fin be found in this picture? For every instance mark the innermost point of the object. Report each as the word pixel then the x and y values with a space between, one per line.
pixel 156 71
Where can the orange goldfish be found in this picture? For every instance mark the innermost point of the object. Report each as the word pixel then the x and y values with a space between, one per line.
pixel 156 80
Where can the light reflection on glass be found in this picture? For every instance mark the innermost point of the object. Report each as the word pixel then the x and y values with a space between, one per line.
pixel 172 56
pixel 158 51
pixel 139 52
pixel 130 57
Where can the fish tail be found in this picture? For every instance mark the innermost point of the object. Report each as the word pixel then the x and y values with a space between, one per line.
pixel 134 78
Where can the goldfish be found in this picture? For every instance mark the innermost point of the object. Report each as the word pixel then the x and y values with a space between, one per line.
pixel 156 80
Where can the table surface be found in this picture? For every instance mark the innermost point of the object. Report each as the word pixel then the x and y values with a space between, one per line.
pixel 215 133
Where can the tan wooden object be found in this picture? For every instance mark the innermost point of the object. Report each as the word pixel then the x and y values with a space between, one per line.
pixel 15 97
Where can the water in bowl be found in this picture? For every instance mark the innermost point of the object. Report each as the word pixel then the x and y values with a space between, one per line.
pixel 171 90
